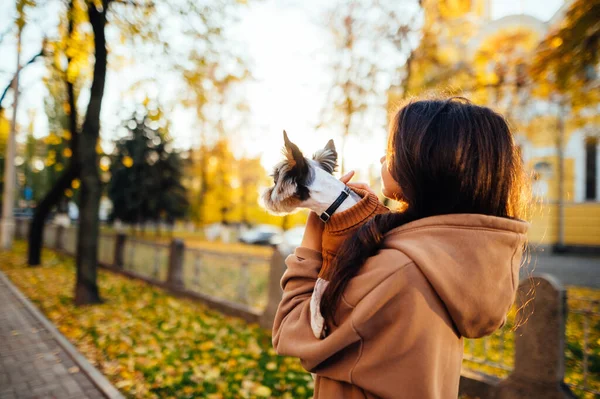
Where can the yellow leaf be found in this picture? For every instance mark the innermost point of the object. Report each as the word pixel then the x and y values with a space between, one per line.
pixel 271 366
pixel 124 384
pixel 206 345
pixel 262 391
pixel 140 350
pixel 127 161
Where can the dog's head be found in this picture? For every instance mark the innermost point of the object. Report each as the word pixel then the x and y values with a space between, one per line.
pixel 296 177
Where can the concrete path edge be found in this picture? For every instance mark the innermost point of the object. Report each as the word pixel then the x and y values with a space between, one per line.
pixel 84 365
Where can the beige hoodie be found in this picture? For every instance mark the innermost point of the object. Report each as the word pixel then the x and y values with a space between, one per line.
pixel 402 318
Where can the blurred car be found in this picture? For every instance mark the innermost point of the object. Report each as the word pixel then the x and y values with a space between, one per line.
pixel 263 234
pixel 23 213
pixel 292 239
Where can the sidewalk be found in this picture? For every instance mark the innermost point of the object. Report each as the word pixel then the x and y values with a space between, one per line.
pixel 36 361
pixel 570 269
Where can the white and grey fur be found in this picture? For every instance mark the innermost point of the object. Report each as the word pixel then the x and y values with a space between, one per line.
pixel 300 182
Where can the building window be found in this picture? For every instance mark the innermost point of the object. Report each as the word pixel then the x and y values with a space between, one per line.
pixel 591 168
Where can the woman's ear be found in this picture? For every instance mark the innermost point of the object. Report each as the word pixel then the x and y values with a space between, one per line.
pixel 327 157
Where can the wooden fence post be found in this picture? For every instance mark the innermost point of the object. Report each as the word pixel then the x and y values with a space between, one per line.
pixel 276 271
pixel 58 243
pixel 175 271
pixel 539 343
pixel 119 257
pixel 244 278
pixel 17 231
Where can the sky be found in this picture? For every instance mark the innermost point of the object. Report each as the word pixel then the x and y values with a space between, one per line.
pixel 287 50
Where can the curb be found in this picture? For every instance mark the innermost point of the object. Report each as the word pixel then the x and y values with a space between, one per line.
pixel 103 385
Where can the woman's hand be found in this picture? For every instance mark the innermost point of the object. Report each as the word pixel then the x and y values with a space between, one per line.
pixel 313 232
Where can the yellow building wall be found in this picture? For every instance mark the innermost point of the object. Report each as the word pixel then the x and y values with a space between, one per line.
pixel 581 220
pixel 569 177
pixel 582 224
pixel 542 131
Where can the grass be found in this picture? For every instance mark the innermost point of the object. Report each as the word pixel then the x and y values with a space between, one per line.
pixel 151 345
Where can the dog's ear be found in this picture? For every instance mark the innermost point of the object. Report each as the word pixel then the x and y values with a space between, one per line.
pixel 327 157
pixel 293 154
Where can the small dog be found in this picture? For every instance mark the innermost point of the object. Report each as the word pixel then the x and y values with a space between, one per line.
pixel 300 182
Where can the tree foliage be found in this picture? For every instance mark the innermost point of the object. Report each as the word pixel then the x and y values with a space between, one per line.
pixel 139 25
pixel 438 60
pixel 568 57
pixel 361 31
pixel 146 174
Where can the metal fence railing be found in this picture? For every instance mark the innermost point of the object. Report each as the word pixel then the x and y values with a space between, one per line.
pixel 234 277
pixel 493 354
pixel 69 242
pixel 50 235
pixel 106 248
pixel 146 258
pixel 583 346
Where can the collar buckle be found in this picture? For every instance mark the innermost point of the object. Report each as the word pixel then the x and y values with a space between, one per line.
pixel 325 216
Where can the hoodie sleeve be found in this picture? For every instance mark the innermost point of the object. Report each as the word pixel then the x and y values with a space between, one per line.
pixel 292 334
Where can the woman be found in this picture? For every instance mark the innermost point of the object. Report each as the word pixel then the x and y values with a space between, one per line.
pixel 407 286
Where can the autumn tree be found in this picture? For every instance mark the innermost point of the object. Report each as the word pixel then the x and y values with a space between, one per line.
pixel 251 175
pixel 75 45
pixel 215 77
pixel 438 61
pixel 139 22
pixel 362 31
pixel 212 171
pixel 567 59
pixel 146 174
pixel 21 7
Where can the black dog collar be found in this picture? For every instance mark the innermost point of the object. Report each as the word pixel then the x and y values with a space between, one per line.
pixel 325 216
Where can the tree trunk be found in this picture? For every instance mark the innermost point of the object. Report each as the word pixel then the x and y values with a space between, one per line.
pixel 56 193
pixel 406 81
pixel 42 210
pixel 86 288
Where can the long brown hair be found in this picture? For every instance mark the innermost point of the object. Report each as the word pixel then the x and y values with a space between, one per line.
pixel 448 156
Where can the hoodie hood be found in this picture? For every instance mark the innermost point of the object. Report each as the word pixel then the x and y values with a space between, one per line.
pixel 471 261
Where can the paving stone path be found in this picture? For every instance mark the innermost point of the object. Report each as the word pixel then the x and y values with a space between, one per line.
pixel 32 363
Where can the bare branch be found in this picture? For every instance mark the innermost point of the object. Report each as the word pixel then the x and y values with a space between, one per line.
pixel 6 32
pixel 31 61
pixel 134 3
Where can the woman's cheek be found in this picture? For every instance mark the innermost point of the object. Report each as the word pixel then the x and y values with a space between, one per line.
pixel 389 187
